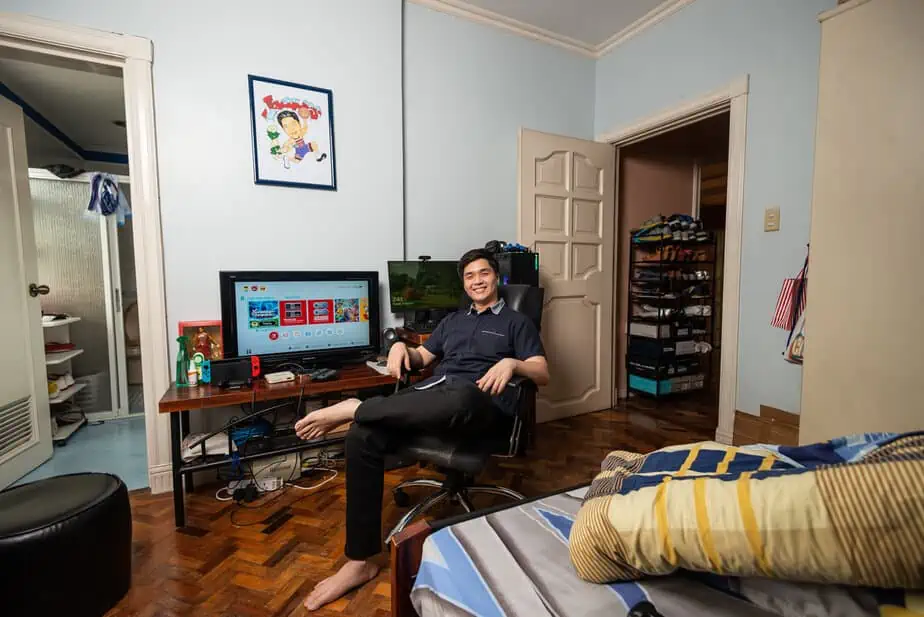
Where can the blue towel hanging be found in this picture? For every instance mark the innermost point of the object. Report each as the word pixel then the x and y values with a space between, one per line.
pixel 107 198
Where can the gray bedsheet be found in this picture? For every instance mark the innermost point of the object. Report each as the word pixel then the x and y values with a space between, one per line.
pixel 515 563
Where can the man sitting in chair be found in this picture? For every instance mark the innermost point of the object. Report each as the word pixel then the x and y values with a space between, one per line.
pixel 479 351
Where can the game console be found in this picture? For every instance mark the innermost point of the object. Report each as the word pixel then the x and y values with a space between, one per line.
pixel 280 377
pixel 232 373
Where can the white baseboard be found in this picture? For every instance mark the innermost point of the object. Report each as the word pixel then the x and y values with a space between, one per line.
pixel 723 437
pixel 160 479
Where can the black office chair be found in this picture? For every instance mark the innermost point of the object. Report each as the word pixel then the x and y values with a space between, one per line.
pixel 460 461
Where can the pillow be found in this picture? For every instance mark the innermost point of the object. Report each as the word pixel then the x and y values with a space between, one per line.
pixel 757 512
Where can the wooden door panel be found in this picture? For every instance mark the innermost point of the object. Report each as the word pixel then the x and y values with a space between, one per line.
pixel 567 213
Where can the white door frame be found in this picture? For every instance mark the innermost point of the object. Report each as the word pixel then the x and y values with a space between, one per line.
pixel 115 317
pixel 734 99
pixel 134 56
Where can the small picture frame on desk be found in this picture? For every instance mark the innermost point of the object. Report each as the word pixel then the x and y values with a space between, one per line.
pixel 203 337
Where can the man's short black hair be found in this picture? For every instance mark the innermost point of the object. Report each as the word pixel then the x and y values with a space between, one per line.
pixel 475 255
pixel 286 113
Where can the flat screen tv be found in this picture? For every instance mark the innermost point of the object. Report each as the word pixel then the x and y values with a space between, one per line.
pixel 424 285
pixel 302 317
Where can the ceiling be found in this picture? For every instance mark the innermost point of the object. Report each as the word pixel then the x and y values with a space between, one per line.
pixel 588 22
pixel 80 99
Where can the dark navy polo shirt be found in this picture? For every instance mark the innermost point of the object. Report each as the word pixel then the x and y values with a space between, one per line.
pixel 468 343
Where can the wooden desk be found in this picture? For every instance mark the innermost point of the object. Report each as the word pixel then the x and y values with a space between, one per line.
pixel 178 402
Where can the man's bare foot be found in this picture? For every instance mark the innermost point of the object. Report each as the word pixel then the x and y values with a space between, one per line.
pixel 351 575
pixel 320 422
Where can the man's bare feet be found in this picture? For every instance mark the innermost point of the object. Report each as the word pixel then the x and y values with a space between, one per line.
pixel 351 575
pixel 320 422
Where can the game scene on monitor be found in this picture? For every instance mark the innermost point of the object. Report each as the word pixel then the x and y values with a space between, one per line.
pixel 420 285
pixel 292 316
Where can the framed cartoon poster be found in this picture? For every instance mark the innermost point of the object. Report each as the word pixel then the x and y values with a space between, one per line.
pixel 293 134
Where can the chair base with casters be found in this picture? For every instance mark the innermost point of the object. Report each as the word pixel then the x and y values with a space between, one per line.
pixel 456 487
pixel 461 461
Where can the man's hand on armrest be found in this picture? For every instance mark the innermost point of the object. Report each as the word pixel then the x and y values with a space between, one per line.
pixel 402 358
pixel 535 369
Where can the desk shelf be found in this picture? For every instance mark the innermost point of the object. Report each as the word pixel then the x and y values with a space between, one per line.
pixel 179 401
pixel 211 461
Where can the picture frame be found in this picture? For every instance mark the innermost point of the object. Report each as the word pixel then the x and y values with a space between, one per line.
pixel 292 131
pixel 212 328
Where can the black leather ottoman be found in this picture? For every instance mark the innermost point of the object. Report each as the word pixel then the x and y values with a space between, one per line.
pixel 65 546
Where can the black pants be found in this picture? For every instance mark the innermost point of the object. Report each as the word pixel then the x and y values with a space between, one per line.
pixel 456 407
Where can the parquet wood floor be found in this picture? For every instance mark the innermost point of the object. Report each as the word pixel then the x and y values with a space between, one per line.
pixel 213 568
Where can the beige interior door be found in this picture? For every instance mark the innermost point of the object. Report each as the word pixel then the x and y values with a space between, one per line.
pixel 25 424
pixel 567 213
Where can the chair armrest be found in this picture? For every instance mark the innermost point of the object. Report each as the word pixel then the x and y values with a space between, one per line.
pixel 519 382
pixel 525 389
pixel 525 420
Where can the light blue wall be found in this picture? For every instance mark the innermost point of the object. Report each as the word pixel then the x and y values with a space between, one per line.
pixel 468 90
pixel 210 206
pixel 700 49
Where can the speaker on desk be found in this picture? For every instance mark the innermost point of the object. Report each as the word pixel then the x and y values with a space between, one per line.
pixel 389 338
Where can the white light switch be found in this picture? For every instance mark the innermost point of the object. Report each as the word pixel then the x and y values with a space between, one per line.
pixel 772 219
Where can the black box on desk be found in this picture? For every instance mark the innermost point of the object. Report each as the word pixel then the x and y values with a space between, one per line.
pixel 518 268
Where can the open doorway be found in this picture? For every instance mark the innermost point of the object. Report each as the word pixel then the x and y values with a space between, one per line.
pixel 74 113
pixel 670 278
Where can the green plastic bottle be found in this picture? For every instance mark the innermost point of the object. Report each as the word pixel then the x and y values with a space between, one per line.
pixel 182 361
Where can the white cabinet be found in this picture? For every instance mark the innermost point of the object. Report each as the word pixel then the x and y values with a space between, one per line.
pixel 864 321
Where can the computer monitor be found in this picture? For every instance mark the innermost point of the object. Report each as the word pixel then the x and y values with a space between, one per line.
pixel 424 285
pixel 302 317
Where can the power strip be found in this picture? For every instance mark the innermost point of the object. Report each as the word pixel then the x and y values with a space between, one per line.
pixel 270 474
pixel 321 457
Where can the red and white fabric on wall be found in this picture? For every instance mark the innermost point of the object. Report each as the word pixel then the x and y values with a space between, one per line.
pixel 792 299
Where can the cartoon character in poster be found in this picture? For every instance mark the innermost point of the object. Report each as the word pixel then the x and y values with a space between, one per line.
pixel 292 117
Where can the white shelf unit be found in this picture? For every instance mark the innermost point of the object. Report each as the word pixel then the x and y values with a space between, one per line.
pixel 66 394
pixel 65 431
pixel 58 331
pixel 60 322
pixel 55 358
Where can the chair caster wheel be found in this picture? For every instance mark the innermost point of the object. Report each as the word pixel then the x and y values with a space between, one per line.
pixel 402 499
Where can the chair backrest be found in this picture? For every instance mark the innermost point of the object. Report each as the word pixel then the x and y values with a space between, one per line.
pixel 528 300
pixel 524 299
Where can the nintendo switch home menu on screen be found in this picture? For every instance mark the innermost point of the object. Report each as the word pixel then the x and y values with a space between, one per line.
pixel 292 316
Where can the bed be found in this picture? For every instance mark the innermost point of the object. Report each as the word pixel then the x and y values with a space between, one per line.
pixel 514 561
